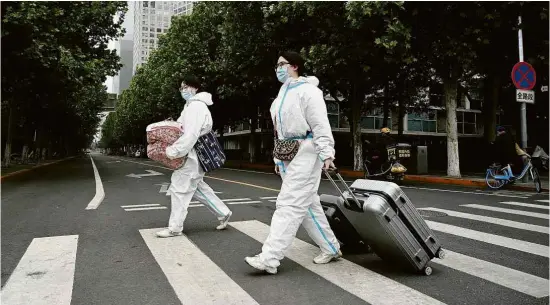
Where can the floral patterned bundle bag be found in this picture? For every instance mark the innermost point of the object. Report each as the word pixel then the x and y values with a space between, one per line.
pixel 161 135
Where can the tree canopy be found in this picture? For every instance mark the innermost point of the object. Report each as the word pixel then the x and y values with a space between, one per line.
pixel 356 49
pixel 55 58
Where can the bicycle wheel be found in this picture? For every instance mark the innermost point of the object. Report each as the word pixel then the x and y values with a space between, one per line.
pixel 491 181
pixel 536 179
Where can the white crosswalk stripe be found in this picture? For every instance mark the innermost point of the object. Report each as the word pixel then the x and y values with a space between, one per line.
pixel 527 205
pixel 508 211
pixel 46 271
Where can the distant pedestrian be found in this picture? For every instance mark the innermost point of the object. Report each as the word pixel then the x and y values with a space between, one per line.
pixel 187 182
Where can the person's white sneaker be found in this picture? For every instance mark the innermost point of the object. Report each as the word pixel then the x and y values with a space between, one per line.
pixel 255 262
pixel 167 233
pixel 325 258
pixel 224 222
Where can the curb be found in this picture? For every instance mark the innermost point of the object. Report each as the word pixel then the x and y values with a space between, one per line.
pixel 33 168
pixel 413 178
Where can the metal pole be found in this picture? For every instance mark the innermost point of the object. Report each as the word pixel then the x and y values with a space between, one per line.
pixel 523 105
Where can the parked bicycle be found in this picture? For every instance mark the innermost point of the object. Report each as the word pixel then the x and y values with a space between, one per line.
pixel 498 176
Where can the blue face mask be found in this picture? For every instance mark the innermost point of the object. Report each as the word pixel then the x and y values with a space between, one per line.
pixel 282 74
pixel 186 95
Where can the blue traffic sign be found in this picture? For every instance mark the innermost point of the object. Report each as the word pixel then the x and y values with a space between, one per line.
pixel 524 76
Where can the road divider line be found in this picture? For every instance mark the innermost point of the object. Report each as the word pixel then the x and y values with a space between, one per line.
pixel 546 200
pixel 45 273
pixel 527 205
pixel 274 200
pixel 99 191
pixel 510 243
pixel 497 221
pixel 263 198
pixel 462 192
pixel 369 286
pixel 508 211
pixel 195 278
pixel 510 278
pixel 140 205
pixel 146 209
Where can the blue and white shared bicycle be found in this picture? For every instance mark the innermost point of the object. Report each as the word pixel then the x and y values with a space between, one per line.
pixel 498 176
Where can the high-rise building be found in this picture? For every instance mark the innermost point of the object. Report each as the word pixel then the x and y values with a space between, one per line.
pixel 152 19
pixel 124 47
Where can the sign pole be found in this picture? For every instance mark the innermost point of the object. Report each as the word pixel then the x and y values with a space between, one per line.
pixel 523 105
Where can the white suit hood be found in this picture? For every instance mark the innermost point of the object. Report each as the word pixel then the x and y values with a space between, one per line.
pixel 204 97
pixel 197 121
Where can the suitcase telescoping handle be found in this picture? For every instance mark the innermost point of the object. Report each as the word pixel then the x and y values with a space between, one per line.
pixel 343 183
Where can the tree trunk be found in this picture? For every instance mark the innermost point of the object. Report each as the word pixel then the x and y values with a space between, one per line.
pixel 355 126
pixel 450 90
pixel 401 91
pixel 491 95
pixel 386 103
pixel 7 151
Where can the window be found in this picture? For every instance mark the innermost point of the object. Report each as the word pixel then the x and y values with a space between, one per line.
pixel 159 30
pixel 151 41
pixel 333 111
pixel 152 35
pixel 153 4
pixel 466 122
pixel 425 122
pixel 145 3
pixel 374 119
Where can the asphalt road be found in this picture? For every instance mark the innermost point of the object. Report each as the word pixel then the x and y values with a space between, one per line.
pixel 55 251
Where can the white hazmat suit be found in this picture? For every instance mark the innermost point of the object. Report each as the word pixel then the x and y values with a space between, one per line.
pixel 298 109
pixel 187 182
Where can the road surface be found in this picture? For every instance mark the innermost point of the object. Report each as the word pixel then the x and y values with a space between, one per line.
pixel 75 235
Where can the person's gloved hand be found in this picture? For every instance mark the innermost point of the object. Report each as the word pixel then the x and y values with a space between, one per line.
pixel 329 164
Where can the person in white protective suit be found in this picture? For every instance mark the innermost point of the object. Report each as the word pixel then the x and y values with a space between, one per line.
pixel 299 113
pixel 187 182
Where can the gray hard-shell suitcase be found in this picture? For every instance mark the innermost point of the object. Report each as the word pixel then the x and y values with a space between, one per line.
pixel 379 224
pixel 406 210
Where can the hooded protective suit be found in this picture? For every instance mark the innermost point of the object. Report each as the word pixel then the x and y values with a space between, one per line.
pixel 188 180
pixel 298 109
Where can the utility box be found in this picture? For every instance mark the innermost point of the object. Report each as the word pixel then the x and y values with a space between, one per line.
pixel 422 159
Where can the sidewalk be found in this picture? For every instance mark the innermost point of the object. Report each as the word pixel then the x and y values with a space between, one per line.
pixel 466 180
pixel 16 169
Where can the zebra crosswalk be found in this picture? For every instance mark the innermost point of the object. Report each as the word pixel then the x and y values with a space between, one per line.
pixel 45 273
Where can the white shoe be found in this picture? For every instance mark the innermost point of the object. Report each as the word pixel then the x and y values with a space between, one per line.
pixel 325 258
pixel 255 262
pixel 167 233
pixel 224 221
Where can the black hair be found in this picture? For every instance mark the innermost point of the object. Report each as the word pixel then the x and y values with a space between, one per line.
pixel 192 81
pixel 294 59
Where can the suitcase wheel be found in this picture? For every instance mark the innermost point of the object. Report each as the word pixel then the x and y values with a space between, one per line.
pixel 428 270
pixel 440 254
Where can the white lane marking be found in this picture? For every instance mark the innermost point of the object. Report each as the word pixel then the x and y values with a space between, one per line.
pixel 275 200
pixel 369 286
pixel 150 174
pixel 527 205
pixel 547 201
pixel 227 200
pixel 510 278
pixel 249 171
pixel 497 221
pixel 140 205
pixel 45 273
pixel 146 209
pixel 263 198
pixel 509 211
pixel 462 192
pixel 237 202
pixel 516 244
pixel 195 278
pixel 99 191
